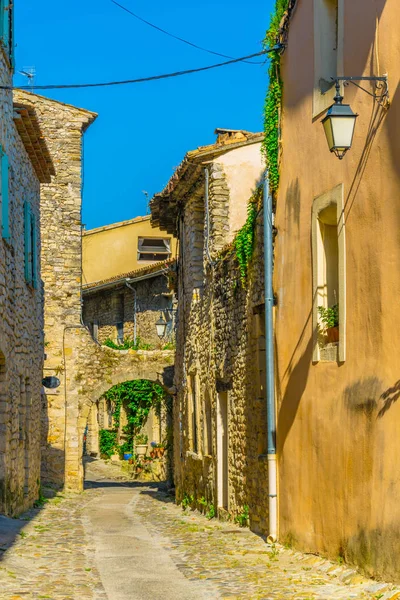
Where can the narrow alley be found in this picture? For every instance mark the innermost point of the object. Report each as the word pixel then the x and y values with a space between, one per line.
pixel 122 539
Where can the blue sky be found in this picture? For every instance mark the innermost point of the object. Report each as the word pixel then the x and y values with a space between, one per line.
pixel 144 130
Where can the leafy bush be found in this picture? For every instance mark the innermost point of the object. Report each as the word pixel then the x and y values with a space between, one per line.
pixel 128 344
pixel 329 316
pixel 107 442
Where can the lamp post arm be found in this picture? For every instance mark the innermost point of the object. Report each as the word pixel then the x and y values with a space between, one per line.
pixel 382 98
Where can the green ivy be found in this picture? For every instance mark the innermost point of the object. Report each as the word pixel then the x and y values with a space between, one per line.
pixel 273 100
pixel 244 240
pixel 107 442
pixel 139 397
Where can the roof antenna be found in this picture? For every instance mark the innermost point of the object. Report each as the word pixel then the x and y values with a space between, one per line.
pixel 146 194
pixel 30 73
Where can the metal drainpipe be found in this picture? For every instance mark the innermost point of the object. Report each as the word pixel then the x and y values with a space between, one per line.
pixel 270 369
pixel 134 309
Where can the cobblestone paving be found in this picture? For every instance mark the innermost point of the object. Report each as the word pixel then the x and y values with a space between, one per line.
pixel 243 566
pixel 53 555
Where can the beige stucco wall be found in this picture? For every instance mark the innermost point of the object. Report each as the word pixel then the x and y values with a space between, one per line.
pixel 21 328
pixel 112 250
pixel 338 422
pixel 243 169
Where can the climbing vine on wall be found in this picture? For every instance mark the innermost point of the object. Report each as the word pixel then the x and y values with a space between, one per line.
pixel 139 397
pixel 272 107
pixel 244 240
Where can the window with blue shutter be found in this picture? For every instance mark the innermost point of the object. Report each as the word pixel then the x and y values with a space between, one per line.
pixel 30 239
pixel 5 204
pixel 6 28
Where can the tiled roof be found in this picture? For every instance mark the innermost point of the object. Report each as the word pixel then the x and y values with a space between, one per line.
pixel 28 127
pixel 164 205
pixel 118 279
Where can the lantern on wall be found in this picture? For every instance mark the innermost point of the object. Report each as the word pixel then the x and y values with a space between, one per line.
pixel 161 326
pixel 339 126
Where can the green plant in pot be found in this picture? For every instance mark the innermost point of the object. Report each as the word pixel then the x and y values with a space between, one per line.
pixel 329 317
pixel 141 444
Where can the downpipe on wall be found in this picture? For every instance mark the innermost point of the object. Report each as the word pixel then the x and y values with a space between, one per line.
pixel 270 367
pixel 134 310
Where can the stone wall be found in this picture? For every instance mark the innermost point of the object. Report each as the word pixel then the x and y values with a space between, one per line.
pixel 21 328
pixel 220 349
pixel 63 126
pixel 117 305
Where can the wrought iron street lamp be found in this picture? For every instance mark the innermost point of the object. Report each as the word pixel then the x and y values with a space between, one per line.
pixel 161 326
pixel 340 120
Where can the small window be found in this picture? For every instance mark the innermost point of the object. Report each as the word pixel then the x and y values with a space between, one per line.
pixel 7 29
pixel 329 276
pixel 328 51
pixel 30 238
pixel 154 249
pixel 193 415
pixel 207 425
pixel 5 204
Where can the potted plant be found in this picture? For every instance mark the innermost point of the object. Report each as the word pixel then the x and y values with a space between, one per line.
pixel 153 452
pixel 141 444
pixel 330 319
pixel 160 449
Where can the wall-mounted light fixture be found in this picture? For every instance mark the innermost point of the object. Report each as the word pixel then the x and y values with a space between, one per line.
pixel 161 327
pixel 340 120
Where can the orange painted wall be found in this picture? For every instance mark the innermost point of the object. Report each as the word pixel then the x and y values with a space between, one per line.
pixel 339 424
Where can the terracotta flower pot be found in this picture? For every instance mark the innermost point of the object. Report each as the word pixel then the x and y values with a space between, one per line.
pixel 153 454
pixel 332 333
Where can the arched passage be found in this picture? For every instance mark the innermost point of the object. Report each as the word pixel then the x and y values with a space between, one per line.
pixel 113 367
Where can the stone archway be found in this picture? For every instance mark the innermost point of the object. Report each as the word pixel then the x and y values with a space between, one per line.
pixel 89 370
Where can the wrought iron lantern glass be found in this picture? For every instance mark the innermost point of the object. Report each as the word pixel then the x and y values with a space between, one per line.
pixel 339 125
pixel 161 326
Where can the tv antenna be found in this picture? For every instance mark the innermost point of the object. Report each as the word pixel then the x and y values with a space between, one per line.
pixel 30 73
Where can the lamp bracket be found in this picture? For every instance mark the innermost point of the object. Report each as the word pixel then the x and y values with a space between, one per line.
pixel 381 94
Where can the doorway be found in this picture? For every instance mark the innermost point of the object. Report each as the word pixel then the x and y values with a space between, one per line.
pixel 222 450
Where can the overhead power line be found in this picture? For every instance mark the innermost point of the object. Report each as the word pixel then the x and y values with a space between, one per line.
pixel 176 37
pixel 140 79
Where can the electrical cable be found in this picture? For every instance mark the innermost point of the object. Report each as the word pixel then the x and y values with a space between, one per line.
pixel 141 79
pixel 176 37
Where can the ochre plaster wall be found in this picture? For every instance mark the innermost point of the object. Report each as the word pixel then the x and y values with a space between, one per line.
pixel 338 423
pixel 112 250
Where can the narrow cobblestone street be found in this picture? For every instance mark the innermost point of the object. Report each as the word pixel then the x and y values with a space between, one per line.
pixel 121 540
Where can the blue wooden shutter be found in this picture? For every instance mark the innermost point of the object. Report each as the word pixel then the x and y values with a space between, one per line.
pixel 28 243
pixel 34 252
pixel 6 22
pixel 5 206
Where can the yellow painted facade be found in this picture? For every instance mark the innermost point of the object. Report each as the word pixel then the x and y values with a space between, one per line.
pixel 113 249
pixel 338 413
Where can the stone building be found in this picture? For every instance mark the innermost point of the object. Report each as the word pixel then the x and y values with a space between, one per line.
pixel 85 369
pixel 25 163
pixel 63 126
pixel 219 410
pixel 126 271
pixel 338 243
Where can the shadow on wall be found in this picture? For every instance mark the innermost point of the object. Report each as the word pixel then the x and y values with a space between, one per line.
pixel 296 383
pixel 376 552
pixel 53 458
